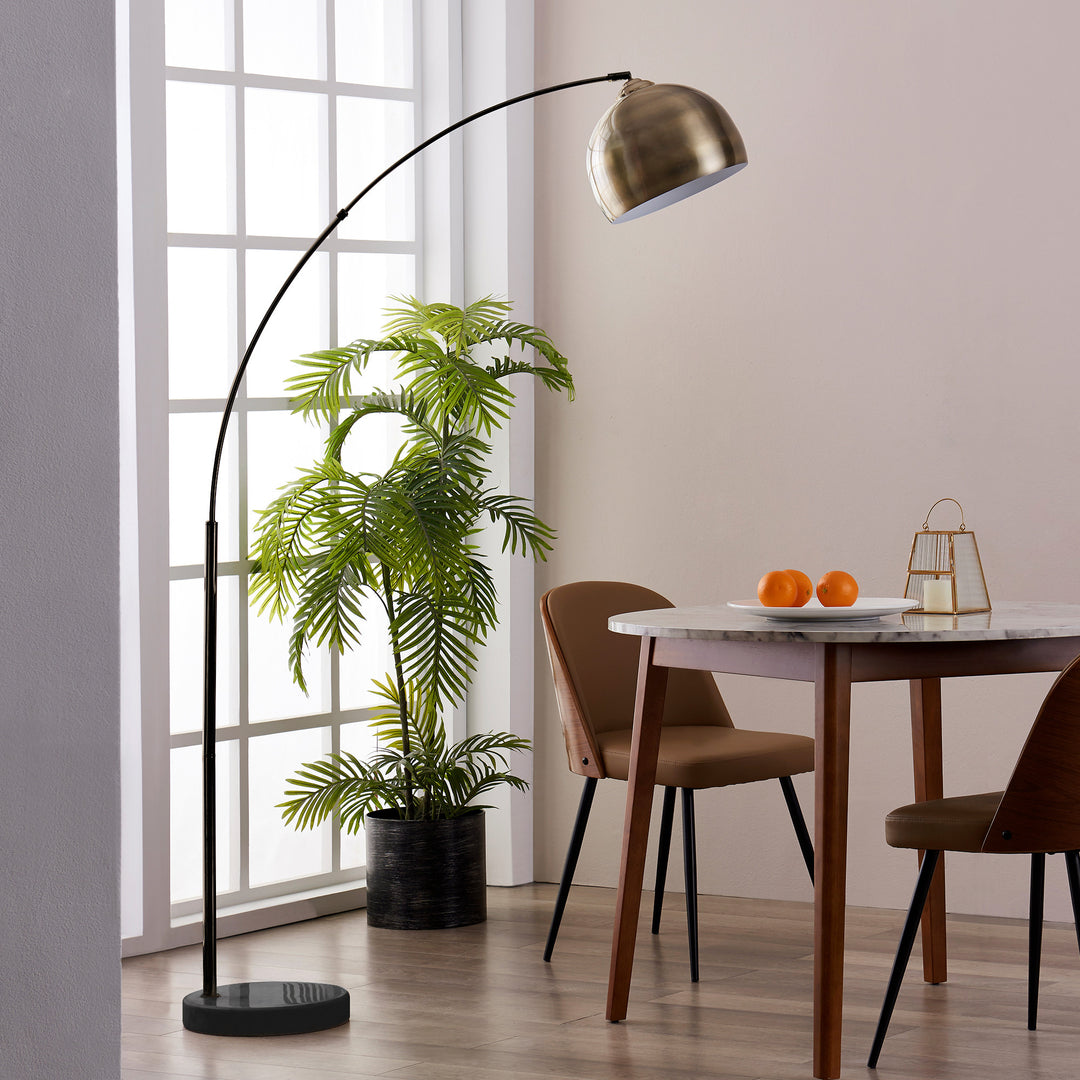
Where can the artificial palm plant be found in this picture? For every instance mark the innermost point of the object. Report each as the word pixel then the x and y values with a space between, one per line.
pixel 406 537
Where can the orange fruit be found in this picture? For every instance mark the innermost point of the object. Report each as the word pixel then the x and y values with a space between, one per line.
pixel 837 588
pixel 804 585
pixel 777 589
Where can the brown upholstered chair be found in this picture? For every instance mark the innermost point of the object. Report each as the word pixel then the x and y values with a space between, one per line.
pixel 595 672
pixel 1037 814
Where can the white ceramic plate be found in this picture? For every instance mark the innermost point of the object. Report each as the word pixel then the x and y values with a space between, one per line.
pixel 866 607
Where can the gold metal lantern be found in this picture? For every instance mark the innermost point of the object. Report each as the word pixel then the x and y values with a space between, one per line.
pixel 945 573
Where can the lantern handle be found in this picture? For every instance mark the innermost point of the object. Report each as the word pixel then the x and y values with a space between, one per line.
pixel 926 523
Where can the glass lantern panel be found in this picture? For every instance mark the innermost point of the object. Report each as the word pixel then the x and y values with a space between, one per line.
pixel 970 583
pixel 931 552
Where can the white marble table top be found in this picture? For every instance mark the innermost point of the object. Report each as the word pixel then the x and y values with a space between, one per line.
pixel 718 622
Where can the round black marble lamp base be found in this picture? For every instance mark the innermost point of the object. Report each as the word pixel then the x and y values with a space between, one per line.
pixel 267 1008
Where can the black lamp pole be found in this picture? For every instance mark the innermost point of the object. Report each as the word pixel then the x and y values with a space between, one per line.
pixel 271 1008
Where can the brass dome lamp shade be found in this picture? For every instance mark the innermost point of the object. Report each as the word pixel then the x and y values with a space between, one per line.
pixel 658 144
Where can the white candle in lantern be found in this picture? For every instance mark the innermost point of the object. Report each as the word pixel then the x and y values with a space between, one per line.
pixel 937 595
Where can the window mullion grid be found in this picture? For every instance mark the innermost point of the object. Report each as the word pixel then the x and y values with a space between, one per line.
pixel 242 731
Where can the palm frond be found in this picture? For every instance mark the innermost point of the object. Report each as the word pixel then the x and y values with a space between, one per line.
pixel 437 640
pixel 332 539
pixel 412 408
pixel 553 378
pixel 446 779
pixel 425 728
pixel 345 785
pixel 521 525
pixel 288 532
pixel 464 393
pixel 329 612
pixel 327 376
pixel 458 328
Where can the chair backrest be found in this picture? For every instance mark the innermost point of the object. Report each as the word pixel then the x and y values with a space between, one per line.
pixel 1040 810
pixel 595 670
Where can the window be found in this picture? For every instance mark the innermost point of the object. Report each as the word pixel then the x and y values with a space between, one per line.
pixel 270 115
pixel 244 125
pixel 276 111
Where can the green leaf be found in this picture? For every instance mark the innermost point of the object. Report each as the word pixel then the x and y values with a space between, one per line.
pixel 404 537
pixel 447 781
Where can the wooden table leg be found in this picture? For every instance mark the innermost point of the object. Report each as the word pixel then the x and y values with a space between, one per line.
pixel 648 713
pixel 832 713
pixel 930 784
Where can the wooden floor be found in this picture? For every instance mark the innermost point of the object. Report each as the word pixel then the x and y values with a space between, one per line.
pixel 479 1003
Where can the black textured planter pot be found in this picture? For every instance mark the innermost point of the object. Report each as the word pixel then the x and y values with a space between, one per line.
pixel 425 875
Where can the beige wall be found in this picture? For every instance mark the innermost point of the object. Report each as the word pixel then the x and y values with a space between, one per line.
pixel 788 369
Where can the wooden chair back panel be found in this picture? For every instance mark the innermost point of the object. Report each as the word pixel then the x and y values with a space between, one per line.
pixel 595 670
pixel 1040 810
pixel 582 754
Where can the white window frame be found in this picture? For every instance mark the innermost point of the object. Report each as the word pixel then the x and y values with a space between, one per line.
pixel 493 162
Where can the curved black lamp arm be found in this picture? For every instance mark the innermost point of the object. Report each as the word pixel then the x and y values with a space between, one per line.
pixel 615 76
pixel 211 562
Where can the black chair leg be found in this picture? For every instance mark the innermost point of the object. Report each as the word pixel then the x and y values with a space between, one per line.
pixel 1035 927
pixel 1072 868
pixel 903 953
pixel 667 816
pixel 797 819
pixel 582 819
pixel 690 871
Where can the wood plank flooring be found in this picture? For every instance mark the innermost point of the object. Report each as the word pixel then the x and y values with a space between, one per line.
pixel 479 1003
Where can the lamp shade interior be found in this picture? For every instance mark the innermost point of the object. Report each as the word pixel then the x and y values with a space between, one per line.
pixel 658 144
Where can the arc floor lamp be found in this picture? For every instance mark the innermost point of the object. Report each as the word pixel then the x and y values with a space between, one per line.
pixel 656 145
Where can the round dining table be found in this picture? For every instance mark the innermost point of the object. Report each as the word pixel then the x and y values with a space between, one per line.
pixel 832 652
